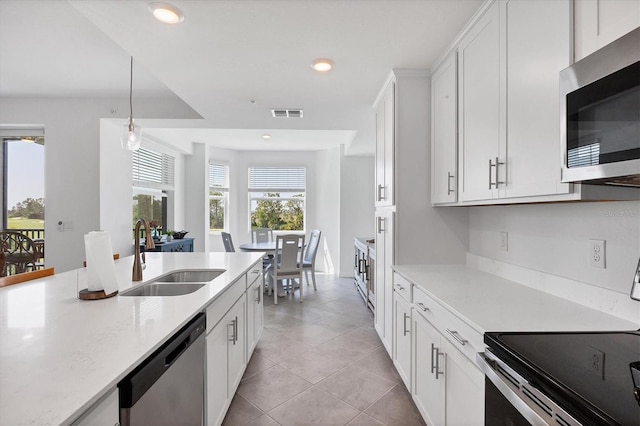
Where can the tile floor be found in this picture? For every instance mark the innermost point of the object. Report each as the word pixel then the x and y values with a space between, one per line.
pixel 321 362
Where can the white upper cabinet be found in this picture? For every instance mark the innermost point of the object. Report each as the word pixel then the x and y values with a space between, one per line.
pixel 508 114
pixel 444 132
pixel 599 22
pixel 538 47
pixel 385 132
pixel 479 109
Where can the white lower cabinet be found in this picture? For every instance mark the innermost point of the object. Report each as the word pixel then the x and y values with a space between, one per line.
pixel 234 325
pixel 255 317
pixel 402 338
pixel 428 386
pixel 105 412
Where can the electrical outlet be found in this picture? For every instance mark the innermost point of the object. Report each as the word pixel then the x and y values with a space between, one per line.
pixel 504 241
pixel 60 225
pixel 595 361
pixel 597 254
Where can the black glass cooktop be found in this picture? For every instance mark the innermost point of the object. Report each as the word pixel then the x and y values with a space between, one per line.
pixel 589 374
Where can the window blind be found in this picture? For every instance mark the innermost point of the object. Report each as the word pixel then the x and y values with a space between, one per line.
pixel 274 179
pixel 218 177
pixel 153 169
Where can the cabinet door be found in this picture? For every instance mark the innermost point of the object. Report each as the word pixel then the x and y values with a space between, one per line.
pixel 428 388
pixel 402 338
pixel 385 114
pixel 464 389
pixel 538 37
pixel 384 276
pixel 480 90
pixel 218 396
pixel 255 316
pixel 236 344
pixel 105 412
pixel 444 132
pixel 599 22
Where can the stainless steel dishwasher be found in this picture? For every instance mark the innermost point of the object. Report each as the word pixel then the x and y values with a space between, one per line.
pixel 168 387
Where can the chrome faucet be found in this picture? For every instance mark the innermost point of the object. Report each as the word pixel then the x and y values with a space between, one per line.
pixel 137 263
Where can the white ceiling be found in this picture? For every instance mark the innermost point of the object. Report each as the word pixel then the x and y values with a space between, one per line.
pixel 226 53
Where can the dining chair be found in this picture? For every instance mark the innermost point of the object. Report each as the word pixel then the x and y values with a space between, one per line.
pixel 309 259
pixel 25 276
pixel 287 265
pixel 19 252
pixel 261 235
pixel 228 242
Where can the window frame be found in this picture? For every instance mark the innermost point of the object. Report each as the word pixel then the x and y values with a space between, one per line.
pixel 299 189
pixel 224 188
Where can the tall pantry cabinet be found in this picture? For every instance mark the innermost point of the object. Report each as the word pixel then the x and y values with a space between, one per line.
pixel 408 229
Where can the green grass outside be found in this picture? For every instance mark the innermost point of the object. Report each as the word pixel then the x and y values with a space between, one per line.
pixel 21 223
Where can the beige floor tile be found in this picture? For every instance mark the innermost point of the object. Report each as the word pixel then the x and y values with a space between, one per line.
pixel 278 349
pixel 314 365
pixel 272 387
pixel 257 364
pixel 312 334
pixel 241 412
pixel 396 408
pixel 314 406
pixel 264 420
pixel 364 420
pixel 343 342
pixel 380 364
pixel 356 386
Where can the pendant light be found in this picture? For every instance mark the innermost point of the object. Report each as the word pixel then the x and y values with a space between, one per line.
pixel 131 132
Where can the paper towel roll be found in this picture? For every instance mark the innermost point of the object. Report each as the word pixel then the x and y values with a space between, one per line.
pixel 101 270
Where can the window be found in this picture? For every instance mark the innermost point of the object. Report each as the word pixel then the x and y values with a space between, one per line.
pixel 22 181
pixel 276 197
pixel 218 197
pixel 153 180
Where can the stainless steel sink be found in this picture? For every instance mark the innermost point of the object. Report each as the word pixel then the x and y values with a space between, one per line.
pixel 163 289
pixel 190 276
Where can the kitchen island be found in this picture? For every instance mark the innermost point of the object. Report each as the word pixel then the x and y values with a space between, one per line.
pixel 59 355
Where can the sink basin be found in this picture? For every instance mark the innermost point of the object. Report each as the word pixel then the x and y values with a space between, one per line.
pixel 190 276
pixel 163 289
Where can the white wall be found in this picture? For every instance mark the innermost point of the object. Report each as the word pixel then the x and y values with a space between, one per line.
pixel 553 238
pixel 356 206
pixel 197 196
pixel 328 209
pixel 72 162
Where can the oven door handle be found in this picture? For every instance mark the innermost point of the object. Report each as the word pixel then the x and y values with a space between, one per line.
pixel 488 366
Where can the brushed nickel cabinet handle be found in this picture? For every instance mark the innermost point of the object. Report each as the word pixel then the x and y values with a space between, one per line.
pixel 457 336
pixel 449 177
pixel 424 308
pixel 404 328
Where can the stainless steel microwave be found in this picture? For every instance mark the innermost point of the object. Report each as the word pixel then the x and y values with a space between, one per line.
pixel 600 115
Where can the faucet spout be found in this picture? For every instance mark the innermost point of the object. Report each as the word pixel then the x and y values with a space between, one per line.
pixel 137 263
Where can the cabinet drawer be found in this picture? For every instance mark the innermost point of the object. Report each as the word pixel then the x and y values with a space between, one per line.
pixel 254 274
pixel 459 333
pixel 219 307
pixel 402 287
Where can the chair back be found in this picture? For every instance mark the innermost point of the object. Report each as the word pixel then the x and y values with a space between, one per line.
pixel 228 242
pixel 287 250
pixel 25 276
pixel 312 246
pixel 261 235
pixel 18 250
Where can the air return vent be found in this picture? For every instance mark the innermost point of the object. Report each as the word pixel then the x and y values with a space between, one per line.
pixel 286 113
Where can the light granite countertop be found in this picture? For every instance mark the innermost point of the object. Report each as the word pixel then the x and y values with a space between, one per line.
pixel 488 303
pixel 59 354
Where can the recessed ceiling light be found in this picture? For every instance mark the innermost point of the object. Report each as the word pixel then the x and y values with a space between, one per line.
pixel 167 13
pixel 322 65
pixel 266 136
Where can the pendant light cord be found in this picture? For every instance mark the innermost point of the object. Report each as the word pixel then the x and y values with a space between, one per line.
pixel 131 91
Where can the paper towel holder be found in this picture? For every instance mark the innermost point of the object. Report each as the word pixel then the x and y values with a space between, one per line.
pixel 86 294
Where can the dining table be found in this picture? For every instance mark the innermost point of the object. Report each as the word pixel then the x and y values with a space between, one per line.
pixel 269 247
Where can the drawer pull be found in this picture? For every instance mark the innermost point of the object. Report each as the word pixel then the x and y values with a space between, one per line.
pixel 424 308
pixel 457 336
pixel 399 287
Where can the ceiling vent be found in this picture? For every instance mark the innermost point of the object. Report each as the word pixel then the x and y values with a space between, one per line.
pixel 286 113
